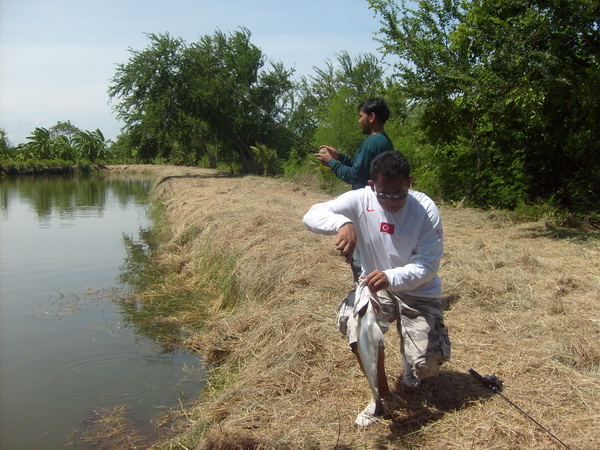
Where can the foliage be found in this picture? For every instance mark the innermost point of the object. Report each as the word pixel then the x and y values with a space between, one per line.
pixel 40 143
pixel 44 166
pixel 90 145
pixel 266 157
pixel 294 164
pixel 338 125
pixel 495 103
pixel 5 145
pixel 63 142
pixel 122 151
pixel 506 94
pixel 207 100
pixel 330 99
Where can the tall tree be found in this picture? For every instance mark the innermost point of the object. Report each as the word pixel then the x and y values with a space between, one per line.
pixel 507 94
pixel 240 101
pixel 547 55
pixel 332 95
pixel 148 89
pixel 210 99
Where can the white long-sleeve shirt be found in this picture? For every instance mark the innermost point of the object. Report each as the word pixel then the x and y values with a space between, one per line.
pixel 407 245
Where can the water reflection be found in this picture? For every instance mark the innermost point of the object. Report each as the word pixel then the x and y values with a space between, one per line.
pixel 68 195
pixel 72 251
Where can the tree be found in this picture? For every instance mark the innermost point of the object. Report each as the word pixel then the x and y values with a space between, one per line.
pixel 332 95
pixel 91 145
pixel 506 92
pixel 549 61
pixel 66 129
pixel 210 99
pixel 40 143
pixel 149 90
pixel 239 100
pixel 5 144
pixel 62 135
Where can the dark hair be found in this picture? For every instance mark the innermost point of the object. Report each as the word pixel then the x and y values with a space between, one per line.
pixel 377 106
pixel 390 164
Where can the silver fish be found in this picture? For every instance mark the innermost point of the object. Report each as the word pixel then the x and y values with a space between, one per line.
pixel 369 339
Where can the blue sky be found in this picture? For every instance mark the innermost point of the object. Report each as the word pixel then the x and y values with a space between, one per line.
pixel 57 57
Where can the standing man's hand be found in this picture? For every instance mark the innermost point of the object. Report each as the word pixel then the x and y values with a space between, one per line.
pixel 327 153
pixel 346 241
pixel 377 281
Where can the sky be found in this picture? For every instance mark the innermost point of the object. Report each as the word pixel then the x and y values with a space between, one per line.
pixel 57 57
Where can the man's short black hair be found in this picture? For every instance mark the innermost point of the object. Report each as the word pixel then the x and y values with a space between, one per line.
pixel 390 164
pixel 377 106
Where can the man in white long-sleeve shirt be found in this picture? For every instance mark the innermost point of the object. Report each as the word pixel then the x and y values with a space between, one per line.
pixel 399 234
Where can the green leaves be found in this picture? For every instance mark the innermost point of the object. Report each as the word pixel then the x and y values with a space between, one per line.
pixel 330 98
pixel 204 100
pixel 66 142
pixel 90 145
pixel 513 83
pixel 267 157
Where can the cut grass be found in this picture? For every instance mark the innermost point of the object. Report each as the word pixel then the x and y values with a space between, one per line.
pixel 521 304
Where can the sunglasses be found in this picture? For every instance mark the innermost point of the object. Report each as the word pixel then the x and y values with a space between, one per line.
pixel 391 197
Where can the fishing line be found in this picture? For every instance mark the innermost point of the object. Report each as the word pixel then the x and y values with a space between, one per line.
pixel 494 384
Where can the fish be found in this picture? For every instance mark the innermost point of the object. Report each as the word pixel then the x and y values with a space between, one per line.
pixel 369 339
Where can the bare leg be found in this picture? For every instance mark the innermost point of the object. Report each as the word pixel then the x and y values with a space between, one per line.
pixel 384 389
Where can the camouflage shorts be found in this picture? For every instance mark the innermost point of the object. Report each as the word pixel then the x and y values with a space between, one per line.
pixel 425 344
pixel 424 337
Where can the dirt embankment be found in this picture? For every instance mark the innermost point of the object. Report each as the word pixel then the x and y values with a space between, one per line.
pixel 522 304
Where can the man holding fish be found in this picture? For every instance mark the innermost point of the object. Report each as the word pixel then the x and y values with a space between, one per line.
pixel 399 234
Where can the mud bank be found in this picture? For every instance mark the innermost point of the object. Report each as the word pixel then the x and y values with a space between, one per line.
pixel 521 304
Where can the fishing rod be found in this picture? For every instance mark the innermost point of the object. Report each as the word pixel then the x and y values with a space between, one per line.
pixel 494 384
pixel 299 138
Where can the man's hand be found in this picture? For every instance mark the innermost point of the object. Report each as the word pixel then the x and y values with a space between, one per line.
pixel 346 241
pixel 326 154
pixel 377 281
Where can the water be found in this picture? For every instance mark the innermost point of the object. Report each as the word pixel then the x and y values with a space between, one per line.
pixel 68 347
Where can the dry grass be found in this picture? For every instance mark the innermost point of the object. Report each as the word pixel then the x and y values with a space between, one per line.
pixel 521 304
pixel 109 429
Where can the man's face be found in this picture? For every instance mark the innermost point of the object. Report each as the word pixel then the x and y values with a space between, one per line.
pixel 391 191
pixel 364 121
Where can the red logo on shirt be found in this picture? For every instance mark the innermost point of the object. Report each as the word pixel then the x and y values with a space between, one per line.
pixel 385 227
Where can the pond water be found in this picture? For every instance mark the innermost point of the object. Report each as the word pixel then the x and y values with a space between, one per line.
pixel 69 345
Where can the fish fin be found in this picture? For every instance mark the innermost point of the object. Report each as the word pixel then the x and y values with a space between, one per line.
pixel 361 312
pixel 376 304
pixel 360 305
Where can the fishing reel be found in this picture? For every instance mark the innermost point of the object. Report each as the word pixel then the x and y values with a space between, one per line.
pixel 491 382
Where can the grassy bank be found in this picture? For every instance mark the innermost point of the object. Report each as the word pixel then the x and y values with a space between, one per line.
pixel 521 304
